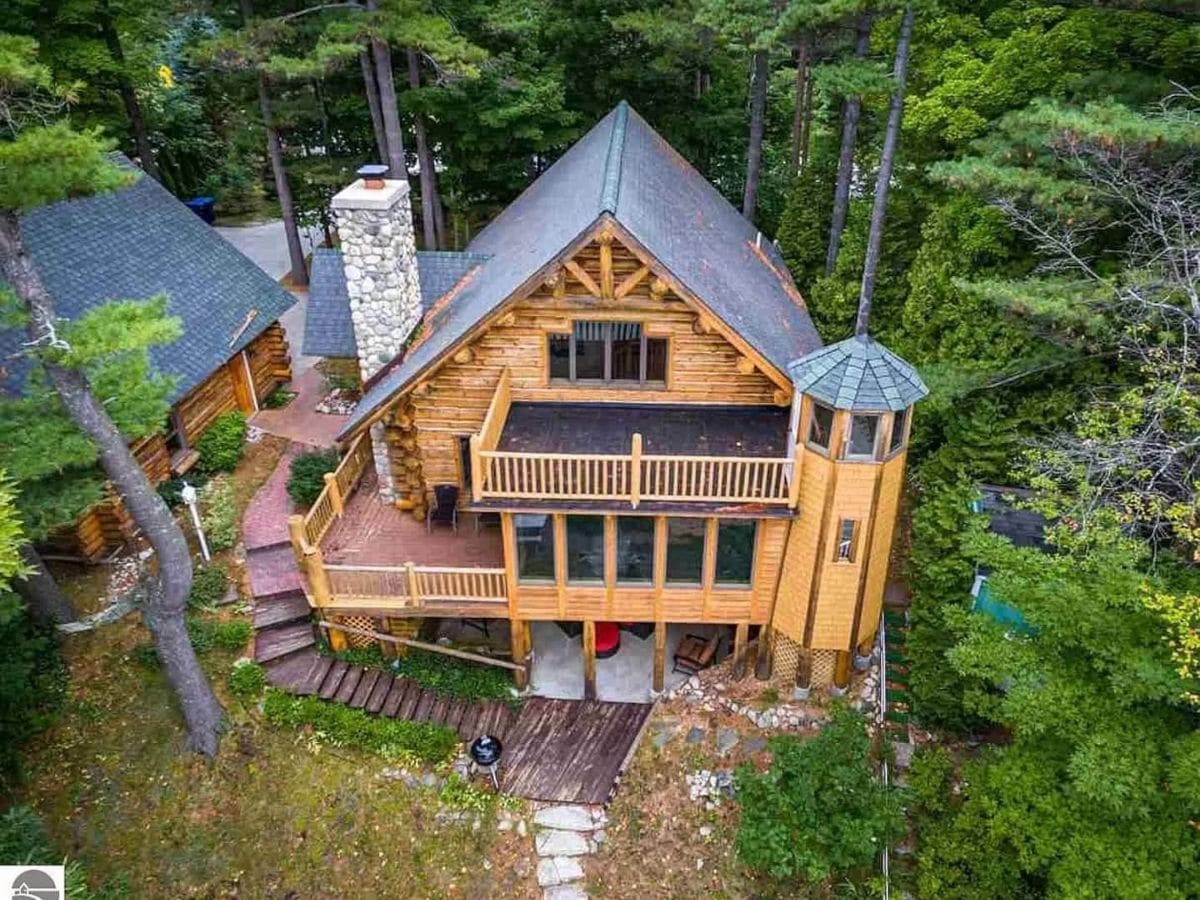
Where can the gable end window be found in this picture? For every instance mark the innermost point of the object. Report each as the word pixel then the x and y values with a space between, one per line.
pixel 608 353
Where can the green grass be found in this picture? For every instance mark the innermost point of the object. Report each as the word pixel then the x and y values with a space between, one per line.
pixel 277 813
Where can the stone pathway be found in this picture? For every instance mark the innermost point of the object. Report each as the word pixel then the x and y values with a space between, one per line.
pixel 562 836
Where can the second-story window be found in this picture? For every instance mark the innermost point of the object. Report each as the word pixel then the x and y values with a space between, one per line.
pixel 864 437
pixel 608 353
pixel 820 429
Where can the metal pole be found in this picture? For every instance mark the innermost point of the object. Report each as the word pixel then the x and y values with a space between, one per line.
pixel 189 497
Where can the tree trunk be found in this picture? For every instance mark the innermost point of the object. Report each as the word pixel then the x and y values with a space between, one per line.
pixel 48 605
pixel 287 208
pixel 883 177
pixel 800 110
pixel 133 109
pixel 806 127
pixel 381 53
pixel 851 110
pixel 163 612
pixel 429 197
pixel 371 86
pixel 758 109
pixel 439 215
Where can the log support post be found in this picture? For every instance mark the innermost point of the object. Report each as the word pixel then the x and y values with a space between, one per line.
pixel 519 630
pixel 477 473
pixel 841 670
pixel 335 494
pixel 766 645
pixel 660 655
pixel 414 590
pixel 635 470
pixel 589 659
pixel 297 536
pixel 740 634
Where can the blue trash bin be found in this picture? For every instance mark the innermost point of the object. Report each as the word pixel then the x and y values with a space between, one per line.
pixel 203 207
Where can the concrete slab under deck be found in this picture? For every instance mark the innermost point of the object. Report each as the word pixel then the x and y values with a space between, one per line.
pixel 625 677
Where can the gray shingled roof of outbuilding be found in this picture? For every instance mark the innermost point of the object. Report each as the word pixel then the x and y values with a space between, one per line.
pixel 137 242
pixel 858 373
pixel 623 167
pixel 328 329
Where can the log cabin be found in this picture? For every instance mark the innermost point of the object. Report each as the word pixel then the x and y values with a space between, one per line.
pixel 135 243
pixel 619 374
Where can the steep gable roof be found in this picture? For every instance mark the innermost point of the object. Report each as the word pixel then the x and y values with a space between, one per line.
pixel 134 243
pixel 624 168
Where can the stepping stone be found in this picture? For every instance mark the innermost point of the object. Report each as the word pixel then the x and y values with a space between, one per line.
pixel 567 818
pixel 560 843
pixel 904 753
pixel 564 892
pixel 558 870
pixel 727 739
pixel 695 735
pixel 755 744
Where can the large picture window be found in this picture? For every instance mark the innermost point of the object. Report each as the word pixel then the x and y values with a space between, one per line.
pixel 635 550
pixel 585 548
pixel 685 551
pixel 535 548
pixel 735 552
pixel 608 352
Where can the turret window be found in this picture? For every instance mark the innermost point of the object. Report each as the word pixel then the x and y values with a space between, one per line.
pixel 608 353
pixel 864 437
pixel 820 428
pixel 899 424
pixel 847 532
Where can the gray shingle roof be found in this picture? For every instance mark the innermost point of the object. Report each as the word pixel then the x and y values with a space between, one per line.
pixel 858 373
pixel 137 242
pixel 328 330
pixel 623 167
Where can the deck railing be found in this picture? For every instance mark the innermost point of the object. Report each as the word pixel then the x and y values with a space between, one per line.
pixel 633 477
pixel 331 502
pixel 412 587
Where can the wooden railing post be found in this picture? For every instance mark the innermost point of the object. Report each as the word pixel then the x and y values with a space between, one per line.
pixel 414 589
pixel 318 578
pixel 477 473
pixel 794 483
pixel 335 494
pixel 298 538
pixel 635 471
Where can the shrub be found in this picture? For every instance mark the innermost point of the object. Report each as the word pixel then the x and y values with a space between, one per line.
pixel 247 679
pixel 342 726
pixel 456 677
pixel 32 682
pixel 817 811
pixel 171 490
pixel 340 374
pixel 219 515
pixel 208 586
pixel 220 634
pixel 220 446
pixel 307 478
pixel 279 398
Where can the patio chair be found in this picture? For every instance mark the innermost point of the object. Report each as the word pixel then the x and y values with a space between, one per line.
pixel 445 507
pixel 695 653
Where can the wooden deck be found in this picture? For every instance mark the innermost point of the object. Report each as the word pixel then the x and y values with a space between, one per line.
pixel 372 533
pixel 570 751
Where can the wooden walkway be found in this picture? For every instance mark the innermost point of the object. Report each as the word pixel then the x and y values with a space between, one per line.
pixel 570 751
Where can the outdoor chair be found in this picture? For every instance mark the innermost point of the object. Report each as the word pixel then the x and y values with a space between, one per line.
pixel 445 507
pixel 696 653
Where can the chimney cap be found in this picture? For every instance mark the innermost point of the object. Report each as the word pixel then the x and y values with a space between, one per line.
pixel 372 170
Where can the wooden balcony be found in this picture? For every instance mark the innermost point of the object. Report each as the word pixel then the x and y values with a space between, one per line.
pixel 360 555
pixel 630 454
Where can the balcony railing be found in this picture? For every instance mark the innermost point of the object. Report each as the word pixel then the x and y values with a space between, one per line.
pixel 632 477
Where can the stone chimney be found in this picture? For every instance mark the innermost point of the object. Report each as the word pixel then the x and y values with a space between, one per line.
pixel 374 221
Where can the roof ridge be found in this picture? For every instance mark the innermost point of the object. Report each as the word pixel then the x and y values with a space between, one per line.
pixel 610 185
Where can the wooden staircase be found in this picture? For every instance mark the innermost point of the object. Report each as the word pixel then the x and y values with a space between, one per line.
pixel 285 645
